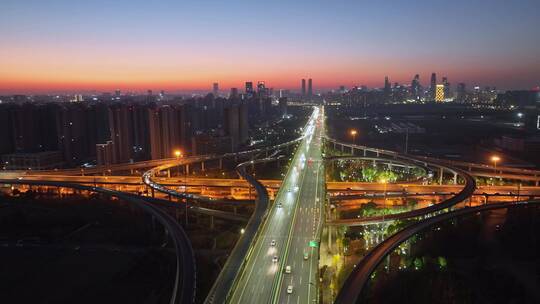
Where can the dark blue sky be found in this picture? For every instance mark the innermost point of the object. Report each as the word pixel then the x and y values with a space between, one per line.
pixel 189 44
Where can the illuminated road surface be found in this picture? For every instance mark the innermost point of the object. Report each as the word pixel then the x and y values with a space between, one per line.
pixel 292 226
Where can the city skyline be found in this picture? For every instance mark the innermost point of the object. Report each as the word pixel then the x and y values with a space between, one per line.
pixel 60 46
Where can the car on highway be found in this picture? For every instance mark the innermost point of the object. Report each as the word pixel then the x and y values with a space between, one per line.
pixel 289 289
pixel 296 188
pixel 273 243
pixel 279 205
pixel 306 255
pixel 275 259
pixel 288 269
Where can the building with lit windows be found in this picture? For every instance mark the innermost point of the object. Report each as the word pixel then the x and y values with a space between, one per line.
pixel 439 93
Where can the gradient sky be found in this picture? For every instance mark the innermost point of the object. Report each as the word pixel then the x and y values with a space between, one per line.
pixel 57 45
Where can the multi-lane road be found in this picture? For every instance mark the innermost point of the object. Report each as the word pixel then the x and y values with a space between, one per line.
pixel 293 222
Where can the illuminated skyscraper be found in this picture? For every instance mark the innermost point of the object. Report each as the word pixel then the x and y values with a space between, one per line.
pixel 439 93
pixel 310 87
pixel 303 87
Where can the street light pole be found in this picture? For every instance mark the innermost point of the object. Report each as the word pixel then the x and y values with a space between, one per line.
pixel 495 159
pixel 178 154
pixel 353 134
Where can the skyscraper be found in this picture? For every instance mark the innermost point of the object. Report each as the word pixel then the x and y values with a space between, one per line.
pixel 415 87
pixel 433 86
pixel 165 129
pixel 387 89
pixel 232 125
pixel 244 122
pixel 303 87
pixel 234 93
pixel 446 85
pixel 215 89
pixel 439 93
pixel 120 135
pixel 461 92
pixel 310 87
pixel 249 88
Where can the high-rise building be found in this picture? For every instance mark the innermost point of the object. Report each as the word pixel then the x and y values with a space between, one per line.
pixel 104 153
pixel 446 85
pixel 303 87
pixel 139 129
pixel 215 89
pixel 439 93
pixel 120 135
pixel 244 122
pixel 234 93
pixel 165 131
pixel 232 125
pixel 387 89
pixel 310 87
pixel 261 87
pixel 415 87
pixel 461 92
pixel 433 86
pixel 249 88
pixel 283 106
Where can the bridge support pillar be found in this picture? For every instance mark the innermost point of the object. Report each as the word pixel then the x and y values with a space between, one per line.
pixel 455 178
pixel 202 167
pixel 330 238
pixel 377 153
pixel 352 150
pixel 212 222
pixel 170 198
pixel 234 209
pixel 169 173
pixel 440 176
pixel 266 153
pixel 221 163
pixel 334 145
pixel 342 147
pixel 186 169
pixel 365 152
pixel 152 190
